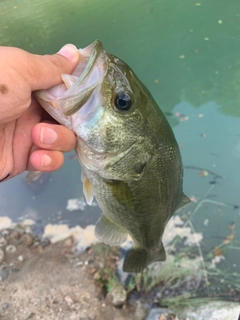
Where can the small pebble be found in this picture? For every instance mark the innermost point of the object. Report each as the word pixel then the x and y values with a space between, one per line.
pixel 3 274
pixel 20 258
pixel 27 240
pixel 15 269
pixel 69 300
pixel 3 241
pixel 29 315
pixel 11 249
pixel 5 233
pixel 4 306
pixel 2 256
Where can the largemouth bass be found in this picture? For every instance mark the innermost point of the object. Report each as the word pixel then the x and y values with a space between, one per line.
pixel 129 157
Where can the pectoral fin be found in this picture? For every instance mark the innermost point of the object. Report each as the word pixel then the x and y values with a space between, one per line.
pixel 108 232
pixel 87 189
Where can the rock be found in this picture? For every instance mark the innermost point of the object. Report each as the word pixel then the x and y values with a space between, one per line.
pixel 20 258
pixel 140 311
pixel 27 240
pixel 118 295
pixel 3 274
pixel 221 310
pixel 11 249
pixel 68 300
pixel 4 306
pixel 2 256
pixel 158 314
pixel 3 242
pixel 5 233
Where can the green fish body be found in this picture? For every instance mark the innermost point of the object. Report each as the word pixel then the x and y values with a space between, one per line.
pixel 129 156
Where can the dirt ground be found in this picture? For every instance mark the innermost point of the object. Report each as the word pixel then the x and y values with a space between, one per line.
pixel 48 281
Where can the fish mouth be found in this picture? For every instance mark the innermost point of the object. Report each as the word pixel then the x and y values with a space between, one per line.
pixel 78 87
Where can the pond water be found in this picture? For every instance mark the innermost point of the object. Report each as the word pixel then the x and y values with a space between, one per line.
pixel 188 55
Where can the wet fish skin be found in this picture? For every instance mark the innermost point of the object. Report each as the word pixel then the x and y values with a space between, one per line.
pixel 129 157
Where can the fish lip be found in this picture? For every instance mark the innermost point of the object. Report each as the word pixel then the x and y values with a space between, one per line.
pixel 71 96
pixel 86 52
pixel 92 53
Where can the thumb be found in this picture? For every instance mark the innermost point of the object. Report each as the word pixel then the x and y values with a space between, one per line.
pixel 45 71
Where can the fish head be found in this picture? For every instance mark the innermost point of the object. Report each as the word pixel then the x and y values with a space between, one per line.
pixel 102 101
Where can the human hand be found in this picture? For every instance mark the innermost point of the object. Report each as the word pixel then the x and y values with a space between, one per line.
pixel 26 141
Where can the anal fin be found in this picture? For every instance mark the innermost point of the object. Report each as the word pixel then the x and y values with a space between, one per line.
pixel 108 232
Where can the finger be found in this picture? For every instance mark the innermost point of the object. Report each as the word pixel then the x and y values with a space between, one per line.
pixel 53 137
pixel 41 72
pixel 49 68
pixel 45 160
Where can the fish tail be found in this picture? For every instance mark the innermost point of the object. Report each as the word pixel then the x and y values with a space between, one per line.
pixel 138 259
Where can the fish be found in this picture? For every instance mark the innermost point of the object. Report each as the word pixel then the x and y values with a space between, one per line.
pixel 130 160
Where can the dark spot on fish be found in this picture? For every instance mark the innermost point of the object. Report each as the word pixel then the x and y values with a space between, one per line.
pixel 5 177
pixel 236 207
pixel 3 89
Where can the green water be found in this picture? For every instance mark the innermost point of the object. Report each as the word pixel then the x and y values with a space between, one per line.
pixel 189 58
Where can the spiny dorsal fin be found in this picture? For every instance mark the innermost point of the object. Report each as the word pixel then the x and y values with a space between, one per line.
pixel 184 201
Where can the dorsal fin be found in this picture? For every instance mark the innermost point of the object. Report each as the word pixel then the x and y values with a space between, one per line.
pixel 183 201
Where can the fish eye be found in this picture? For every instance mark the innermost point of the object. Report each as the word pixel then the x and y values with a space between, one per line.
pixel 122 102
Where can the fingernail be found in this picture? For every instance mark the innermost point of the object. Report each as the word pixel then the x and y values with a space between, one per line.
pixel 70 52
pixel 47 135
pixel 46 160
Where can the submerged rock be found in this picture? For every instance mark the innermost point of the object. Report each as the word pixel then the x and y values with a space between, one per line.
pixel 160 313
pixel 221 310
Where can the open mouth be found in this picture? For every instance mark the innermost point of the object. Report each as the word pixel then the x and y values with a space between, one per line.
pixel 78 87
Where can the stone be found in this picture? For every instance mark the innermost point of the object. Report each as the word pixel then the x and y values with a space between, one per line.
pixel 118 295
pixel 158 313
pixel 27 240
pixel 2 256
pixel 3 242
pixel 4 273
pixel 221 310
pixel 11 249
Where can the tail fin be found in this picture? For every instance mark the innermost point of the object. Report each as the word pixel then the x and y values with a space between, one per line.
pixel 138 259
